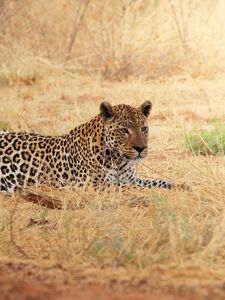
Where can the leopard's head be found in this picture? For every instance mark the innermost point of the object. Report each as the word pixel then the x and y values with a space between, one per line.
pixel 126 129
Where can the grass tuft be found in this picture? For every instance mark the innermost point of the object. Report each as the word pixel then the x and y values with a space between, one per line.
pixel 206 141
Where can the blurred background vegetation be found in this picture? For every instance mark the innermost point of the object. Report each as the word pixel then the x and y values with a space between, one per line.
pixel 112 39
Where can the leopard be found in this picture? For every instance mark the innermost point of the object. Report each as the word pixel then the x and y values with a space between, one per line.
pixel 103 152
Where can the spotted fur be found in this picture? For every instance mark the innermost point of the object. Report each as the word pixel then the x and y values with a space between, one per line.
pixel 101 152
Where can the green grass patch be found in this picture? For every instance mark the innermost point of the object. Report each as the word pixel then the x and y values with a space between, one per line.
pixel 206 141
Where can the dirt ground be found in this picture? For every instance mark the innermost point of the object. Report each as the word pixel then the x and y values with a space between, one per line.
pixel 19 282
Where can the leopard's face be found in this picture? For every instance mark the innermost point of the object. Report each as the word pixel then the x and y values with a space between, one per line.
pixel 126 129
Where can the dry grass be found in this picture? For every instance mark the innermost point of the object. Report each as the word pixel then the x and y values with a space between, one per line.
pixel 117 40
pixel 140 233
pixel 48 86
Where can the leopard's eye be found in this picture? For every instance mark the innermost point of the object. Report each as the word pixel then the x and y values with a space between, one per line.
pixel 124 130
pixel 144 129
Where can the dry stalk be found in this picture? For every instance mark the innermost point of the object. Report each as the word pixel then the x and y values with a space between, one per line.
pixel 95 44
pixel 42 199
pixel 179 29
pixel 77 24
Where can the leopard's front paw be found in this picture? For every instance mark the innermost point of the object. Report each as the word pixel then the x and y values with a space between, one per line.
pixel 183 187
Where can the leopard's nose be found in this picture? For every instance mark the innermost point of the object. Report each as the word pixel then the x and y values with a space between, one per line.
pixel 138 148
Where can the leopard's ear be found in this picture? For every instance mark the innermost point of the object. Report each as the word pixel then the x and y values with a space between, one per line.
pixel 106 110
pixel 146 108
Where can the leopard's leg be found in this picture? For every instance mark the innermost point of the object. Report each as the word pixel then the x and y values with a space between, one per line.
pixel 152 183
pixel 141 183
pixel 128 178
